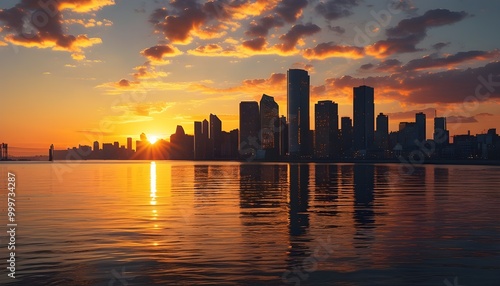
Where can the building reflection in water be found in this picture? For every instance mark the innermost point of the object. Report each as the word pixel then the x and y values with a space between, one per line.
pixel 299 199
pixel 364 215
pixel 326 186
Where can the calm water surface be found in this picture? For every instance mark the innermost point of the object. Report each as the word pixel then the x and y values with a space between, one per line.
pixel 185 223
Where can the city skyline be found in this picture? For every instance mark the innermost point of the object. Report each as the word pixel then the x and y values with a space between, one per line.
pixel 109 70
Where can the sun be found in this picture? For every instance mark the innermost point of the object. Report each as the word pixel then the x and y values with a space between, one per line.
pixel 153 139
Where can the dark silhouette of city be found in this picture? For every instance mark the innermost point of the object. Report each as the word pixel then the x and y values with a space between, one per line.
pixel 264 135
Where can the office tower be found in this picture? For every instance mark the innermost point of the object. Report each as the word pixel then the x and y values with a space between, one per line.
pixel 51 153
pixel 441 135
pixel 182 145
pixel 408 134
pixel 346 136
pixel 298 83
pixel 198 141
pixel 249 126
pixel 206 139
pixel 364 110
pixel 96 146
pixel 420 119
pixel 382 133
pixel 326 129
pixel 129 144
pixel 216 135
pixel 269 124
pixel 283 136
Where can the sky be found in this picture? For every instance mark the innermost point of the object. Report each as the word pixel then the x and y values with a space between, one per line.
pixel 78 71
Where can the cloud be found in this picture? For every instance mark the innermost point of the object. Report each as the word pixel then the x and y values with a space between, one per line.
pixel 410 114
pixel 208 20
pixel 148 71
pixel 292 37
pixel 89 23
pixel 449 61
pixel 158 53
pixel 291 10
pixel 257 44
pixel 404 5
pixel 329 50
pixel 261 27
pixel 440 46
pixel 460 119
pixel 38 24
pixel 389 65
pixel 337 29
pixel 444 87
pixel 304 66
pixel 335 9
pixel 409 32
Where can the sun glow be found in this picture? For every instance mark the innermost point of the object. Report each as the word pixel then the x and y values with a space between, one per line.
pixel 153 139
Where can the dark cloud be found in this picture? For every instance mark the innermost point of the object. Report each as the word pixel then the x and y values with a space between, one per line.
pixel 329 50
pixel 409 32
pixel 440 46
pixel 291 10
pixel 335 9
pixel 433 61
pixel 32 24
pixel 290 39
pixel 461 119
pixel 404 5
pixel 336 29
pixel 159 52
pixel 382 66
pixel 405 115
pixel 261 27
pixel 257 44
pixel 450 86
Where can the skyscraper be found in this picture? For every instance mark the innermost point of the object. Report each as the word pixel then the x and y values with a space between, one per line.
pixel 216 135
pixel 364 112
pixel 326 129
pixel 346 136
pixel 283 130
pixel 382 133
pixel 249 126
pixel 441 135
pixel 207 151
pixel 420 119
pixel 198 141
pixel 298 83
pixel 129 143
pixel 269 124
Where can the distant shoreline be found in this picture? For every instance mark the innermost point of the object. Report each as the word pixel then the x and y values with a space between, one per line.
pixel 473 162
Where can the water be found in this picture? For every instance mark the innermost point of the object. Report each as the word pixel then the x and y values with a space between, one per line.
pixel 185 223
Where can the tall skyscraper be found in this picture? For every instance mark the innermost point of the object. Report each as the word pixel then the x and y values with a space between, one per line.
pixel 199 145
pixel 364 112
pixel 326 129
pixel 129 143
pixel 269 124
pixel 216 135
pixel 441 134
pixel 346 136
pixel 298 83
pixel 249 126
pixel 382 133
pixel 283 129
pixel 206 139
pixel 420 119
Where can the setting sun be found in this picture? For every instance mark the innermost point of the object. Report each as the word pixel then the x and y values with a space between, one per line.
pixel 153 139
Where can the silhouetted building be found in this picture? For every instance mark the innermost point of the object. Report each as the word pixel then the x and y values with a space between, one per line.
pixel 229 144
pixel 298 83
pixel 129 144
pixel 283 137
pixel 269 124
pixel 4 151
pixel 382 133
pixel 199 146
pixel 465 146
pixel 326 129
pixel 408 135
pixel 364 112
pixel 420 119
pixel 346 144
pixel 249 128
pixel 216 135
pixel 206 140
pixel 441 134
pixel 181 145
pixel 51 153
